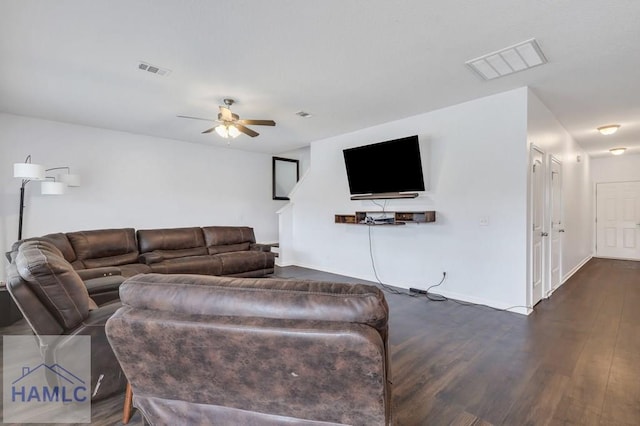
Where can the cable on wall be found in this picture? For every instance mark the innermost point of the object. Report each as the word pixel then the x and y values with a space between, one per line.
pixel 414 292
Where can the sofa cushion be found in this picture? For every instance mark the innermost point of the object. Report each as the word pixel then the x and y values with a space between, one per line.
pixel 228 248
pixel 242 261
pixel 169 239
pixel 107 271
pixel 61 241
pixel 204 265
pixel 105 247
pixel 227 235
pixel 132 269
pixel 160 255
pixel 121 259
pixel 54 282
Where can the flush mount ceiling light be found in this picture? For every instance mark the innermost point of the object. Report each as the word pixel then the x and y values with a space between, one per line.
pixel 617 151
pixel 509 60
pixel 609 129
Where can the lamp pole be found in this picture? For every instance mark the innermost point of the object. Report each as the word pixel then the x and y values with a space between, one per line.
pixel 24 182
pixel 28 172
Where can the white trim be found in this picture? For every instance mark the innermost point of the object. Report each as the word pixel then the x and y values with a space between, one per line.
pixel 574 270
pixel 616 258
pixel 524 310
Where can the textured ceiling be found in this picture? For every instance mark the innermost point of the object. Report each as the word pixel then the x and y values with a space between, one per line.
pixel 351 63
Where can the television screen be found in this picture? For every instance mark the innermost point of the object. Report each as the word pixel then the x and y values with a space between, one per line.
pixel 391 166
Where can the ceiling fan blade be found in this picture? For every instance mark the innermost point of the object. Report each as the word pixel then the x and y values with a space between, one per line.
pixel 226 114
pixel 247 131
pixel 258 122
pixel 210 130
pixel 194 118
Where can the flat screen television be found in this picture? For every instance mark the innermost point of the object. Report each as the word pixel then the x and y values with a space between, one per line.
pixel 385 168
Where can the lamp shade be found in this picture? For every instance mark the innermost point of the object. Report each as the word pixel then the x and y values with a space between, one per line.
pixel 69 179
pixel 52 188
pixel 28 171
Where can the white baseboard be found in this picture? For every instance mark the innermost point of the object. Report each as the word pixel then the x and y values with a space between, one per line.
pixel 568 275
pixel 574 270
pixel 524 310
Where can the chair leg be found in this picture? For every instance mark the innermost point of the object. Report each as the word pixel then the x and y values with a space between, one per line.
pixel 128 405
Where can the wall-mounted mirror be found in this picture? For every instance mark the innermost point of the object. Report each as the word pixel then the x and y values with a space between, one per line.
pixel 285 175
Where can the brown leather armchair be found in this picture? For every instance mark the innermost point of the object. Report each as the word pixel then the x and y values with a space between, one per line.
pixel 221 350
pixel 54 301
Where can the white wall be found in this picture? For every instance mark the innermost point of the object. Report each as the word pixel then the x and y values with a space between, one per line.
pixel 303 155
pixel 476 155
pixel 131 180
pixel 622 168
pixel 544 131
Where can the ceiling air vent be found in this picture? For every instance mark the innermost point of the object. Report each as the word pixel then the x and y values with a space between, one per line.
pixel 518 57
pixel 154 69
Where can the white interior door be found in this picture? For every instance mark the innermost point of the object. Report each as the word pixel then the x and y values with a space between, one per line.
pixel 537 219
pixel 556 223
pixel 618 220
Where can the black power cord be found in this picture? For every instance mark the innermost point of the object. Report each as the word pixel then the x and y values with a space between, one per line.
pixel 431 296
pixel 375 271
pixel 416 292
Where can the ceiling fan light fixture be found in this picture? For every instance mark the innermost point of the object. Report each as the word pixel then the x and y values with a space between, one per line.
pixel 233 131
pixel 222 131
pixel 609 129
pixel 617 151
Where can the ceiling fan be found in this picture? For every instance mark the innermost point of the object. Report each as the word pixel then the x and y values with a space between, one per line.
pixel 230 124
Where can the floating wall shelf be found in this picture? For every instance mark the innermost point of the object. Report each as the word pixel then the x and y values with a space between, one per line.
pixel 392 218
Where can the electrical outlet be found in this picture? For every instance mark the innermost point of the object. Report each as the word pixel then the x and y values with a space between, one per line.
pixel 484 221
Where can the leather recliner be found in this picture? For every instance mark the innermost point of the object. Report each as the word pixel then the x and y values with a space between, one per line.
pixel 258 351
pixel 54 301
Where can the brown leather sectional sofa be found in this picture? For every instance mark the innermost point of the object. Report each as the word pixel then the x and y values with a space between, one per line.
pixel 104 258
pixel 68 284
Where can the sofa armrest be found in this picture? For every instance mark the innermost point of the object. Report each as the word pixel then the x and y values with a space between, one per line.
pixel 103 284
pixel 106 271
pixel 260 247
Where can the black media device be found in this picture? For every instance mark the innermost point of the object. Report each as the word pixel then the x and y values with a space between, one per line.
pixel 385 169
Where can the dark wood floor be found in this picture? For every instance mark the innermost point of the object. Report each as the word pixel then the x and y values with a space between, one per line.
pixel 574 361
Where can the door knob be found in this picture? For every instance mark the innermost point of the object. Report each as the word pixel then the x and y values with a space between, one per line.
pixel 560 230
pixel 544 234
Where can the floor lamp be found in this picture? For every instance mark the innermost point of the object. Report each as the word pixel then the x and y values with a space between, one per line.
pixel 28 171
